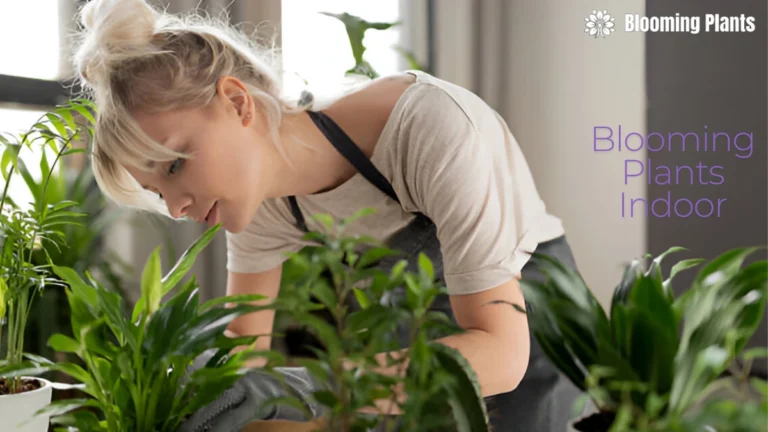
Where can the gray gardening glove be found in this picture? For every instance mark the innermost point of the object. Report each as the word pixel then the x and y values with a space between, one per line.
pixel 244 401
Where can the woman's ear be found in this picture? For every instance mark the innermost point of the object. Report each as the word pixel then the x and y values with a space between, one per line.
pixel 236 98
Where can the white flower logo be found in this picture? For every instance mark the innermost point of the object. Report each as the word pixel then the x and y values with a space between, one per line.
pixel 599 24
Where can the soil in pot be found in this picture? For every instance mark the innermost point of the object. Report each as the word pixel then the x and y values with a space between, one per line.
pixel 597 422
pixel 26 386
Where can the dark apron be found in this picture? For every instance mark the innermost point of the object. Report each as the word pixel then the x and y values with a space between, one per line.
pixel 542 401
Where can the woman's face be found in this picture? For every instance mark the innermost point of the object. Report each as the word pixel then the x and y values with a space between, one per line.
pixel 229 173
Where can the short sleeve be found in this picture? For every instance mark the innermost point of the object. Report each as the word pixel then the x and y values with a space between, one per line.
pixel 264 244
pixel 460 178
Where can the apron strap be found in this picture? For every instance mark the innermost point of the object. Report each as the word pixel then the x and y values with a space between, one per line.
pixel 300 222
pixel 347 148
pixel 352 152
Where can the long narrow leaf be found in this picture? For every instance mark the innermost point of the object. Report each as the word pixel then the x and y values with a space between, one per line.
pixel 187 259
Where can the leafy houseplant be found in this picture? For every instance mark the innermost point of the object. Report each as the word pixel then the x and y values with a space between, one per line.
pixel 137 364
pixel 79 247
pixel 373 312
pixel 651 364
pixel 26 232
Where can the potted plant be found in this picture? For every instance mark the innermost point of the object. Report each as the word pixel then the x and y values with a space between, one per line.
pixel 79 247
pixel 137 365
pixel 651 363
pixel 375 312
pixel 25 233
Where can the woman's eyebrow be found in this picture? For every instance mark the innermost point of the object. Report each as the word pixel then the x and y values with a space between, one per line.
pixel 164 142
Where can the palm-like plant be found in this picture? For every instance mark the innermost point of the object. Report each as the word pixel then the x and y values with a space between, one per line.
pixel 39 229
pixel 647 365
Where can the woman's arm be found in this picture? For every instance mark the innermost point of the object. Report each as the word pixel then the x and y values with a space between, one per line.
pixel 257 323
pixel 496 341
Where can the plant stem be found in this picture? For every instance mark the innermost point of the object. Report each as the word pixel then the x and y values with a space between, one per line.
pixel 16 326
pixel 412 335
pixel 2 204
pixel 341 290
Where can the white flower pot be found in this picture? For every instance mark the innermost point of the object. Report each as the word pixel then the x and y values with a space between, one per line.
pixel 19 408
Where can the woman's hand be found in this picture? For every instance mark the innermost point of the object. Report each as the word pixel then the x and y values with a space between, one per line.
pixel 248 400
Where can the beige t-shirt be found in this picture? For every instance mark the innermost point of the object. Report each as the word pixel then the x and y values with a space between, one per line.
pixel 448 155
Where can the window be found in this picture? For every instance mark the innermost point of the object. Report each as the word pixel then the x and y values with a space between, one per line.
pixel 17 122
pixel 30 32
pixel 316 48
pixel 33 26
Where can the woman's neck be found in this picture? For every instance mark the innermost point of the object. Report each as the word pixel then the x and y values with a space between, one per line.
pixel 315 165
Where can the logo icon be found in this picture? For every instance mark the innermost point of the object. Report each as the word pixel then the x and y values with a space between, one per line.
pixel 599 24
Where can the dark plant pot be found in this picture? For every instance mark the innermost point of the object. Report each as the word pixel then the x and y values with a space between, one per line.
pixel 595 422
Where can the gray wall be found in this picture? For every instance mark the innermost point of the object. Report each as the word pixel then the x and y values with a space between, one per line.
pixel 558 84
pixel 719 80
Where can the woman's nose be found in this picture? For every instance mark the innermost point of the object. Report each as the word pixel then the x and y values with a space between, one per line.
pixel 178 204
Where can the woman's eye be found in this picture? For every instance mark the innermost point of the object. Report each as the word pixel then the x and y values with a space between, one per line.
pixel 174 166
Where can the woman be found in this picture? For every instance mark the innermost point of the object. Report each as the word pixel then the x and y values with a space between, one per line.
pixel 192 125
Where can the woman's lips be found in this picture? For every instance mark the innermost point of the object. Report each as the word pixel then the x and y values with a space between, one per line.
pixel 213 215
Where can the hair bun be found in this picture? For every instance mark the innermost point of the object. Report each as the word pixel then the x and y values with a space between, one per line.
pixel 113 31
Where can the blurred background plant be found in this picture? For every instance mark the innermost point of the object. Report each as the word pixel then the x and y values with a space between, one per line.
pixel 356 28
pixel 371 311
pixel 657 358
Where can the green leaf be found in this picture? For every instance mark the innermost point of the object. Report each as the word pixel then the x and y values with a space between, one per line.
pixel 755 353
pixel 358 215
pixel 10 156
pixel 85 113
pixel 326 219
pixel 76 372
pixel 679 267
pixel 426 270
pixel 188 258
pixel 57 123
pixel 467 404
pixel 567 281
pixel 652 350
pixel 64 406
pixel 3 291
pixel 24 368
pixel 151 284
pixel 79 288
pixel 724 266
pixel 322 290
pixel 242 298
pixel 64 344
pixel 360 295
pixel 631 273
pixel 543 327
pixel 73 151
pixel 373 256
pixel 760 385
pixel 326 398
pixel 649 295
pixel 654 271
pixel 84 421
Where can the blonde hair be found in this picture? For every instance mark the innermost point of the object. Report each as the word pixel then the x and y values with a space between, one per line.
pixel 132 58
